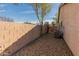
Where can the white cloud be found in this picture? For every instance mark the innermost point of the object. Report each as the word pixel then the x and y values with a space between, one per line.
pixel 37 22
pixel 2 10
pixel 27 12
pixel 2 5
pixel 34 22
pixel 48 20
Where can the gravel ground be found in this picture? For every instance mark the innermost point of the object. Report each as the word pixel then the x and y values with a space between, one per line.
pixel 45 46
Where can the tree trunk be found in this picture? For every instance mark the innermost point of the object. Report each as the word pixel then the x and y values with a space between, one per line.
pixel 41 28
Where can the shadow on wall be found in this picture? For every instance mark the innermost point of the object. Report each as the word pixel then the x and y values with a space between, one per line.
pixel 22 41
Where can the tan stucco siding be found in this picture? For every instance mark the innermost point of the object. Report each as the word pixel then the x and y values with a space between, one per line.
pixel 14 36
pixel 69 14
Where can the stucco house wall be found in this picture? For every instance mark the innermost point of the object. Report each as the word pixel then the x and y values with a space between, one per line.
pixel 69 15
pixel 13 36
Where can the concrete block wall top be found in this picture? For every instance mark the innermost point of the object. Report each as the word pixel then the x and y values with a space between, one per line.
pixel 11 32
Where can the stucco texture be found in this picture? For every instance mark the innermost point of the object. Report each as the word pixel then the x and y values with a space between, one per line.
pixel 69 15
pixel 14 36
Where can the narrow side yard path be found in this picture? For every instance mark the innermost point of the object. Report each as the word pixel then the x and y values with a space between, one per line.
pixel 46 46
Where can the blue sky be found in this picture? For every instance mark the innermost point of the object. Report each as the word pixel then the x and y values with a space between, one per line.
pixel 24 12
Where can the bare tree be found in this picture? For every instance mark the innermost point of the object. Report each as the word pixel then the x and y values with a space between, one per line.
pixel 7 19
pixel 41 10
